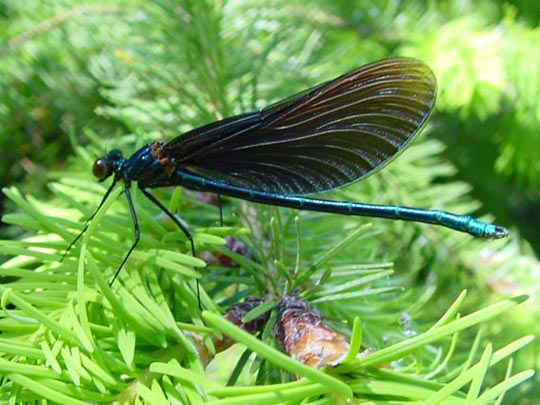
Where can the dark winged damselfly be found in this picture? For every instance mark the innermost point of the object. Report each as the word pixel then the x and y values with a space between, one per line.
pixel 331 135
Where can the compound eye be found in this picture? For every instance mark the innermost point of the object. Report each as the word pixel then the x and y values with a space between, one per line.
pixel 102 169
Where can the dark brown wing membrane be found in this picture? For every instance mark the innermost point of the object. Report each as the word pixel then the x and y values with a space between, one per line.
pixel 326 137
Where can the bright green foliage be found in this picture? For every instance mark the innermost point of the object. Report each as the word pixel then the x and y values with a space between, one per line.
pixel 78 78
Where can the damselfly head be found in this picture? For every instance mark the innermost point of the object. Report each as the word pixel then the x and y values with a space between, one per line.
pixel 105 166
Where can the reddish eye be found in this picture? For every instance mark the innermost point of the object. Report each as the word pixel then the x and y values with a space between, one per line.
pixel 101 169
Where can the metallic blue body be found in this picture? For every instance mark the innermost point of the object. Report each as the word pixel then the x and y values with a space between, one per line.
pixel 148 172
pixel 463 223
pixel 140 167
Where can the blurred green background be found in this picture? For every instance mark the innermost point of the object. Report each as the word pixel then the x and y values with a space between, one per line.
pixel 90 73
